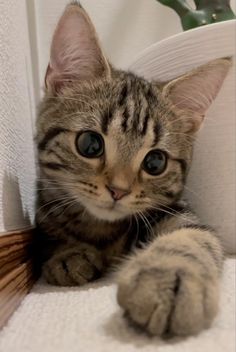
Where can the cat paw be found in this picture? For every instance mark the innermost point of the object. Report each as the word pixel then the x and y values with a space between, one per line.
pixel 167 300
pixel 73 266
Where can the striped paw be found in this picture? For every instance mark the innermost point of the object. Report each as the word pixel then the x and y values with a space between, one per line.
pixel 169 298
pixel 73 266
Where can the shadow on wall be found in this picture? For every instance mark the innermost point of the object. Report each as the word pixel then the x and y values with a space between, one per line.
pixel 14 216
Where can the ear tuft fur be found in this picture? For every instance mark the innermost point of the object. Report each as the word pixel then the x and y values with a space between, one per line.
pixel 75 51
pixel 195 91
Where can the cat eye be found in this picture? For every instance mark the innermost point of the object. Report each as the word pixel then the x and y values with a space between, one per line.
pixel 155 162
pixel 90 144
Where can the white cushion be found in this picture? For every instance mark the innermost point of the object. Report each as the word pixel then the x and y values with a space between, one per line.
pixel 88 318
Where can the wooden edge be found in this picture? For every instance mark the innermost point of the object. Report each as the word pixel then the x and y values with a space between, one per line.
pixel 12 294
pixel 16 237
pixel 15 248
pixel 17 274
pixel 12 257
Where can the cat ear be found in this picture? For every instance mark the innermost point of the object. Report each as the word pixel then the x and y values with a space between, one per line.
pixel 75 50
pixel 194 92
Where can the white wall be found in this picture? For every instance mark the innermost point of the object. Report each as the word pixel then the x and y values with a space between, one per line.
pixel 17 168
pixel 125 27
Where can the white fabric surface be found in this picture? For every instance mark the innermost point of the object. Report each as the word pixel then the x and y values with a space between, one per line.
pixel 53 319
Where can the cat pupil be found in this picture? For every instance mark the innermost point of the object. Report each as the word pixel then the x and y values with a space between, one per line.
pixel 90 144
pixel 155 162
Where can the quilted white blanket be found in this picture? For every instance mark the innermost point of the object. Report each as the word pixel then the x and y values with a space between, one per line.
pixel 87 319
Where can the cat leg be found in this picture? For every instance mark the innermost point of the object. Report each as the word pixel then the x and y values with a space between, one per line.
pixel 73 265
pixel 172 286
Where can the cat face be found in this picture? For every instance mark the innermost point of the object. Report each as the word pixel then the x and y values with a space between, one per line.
pixel 114 147
pixel 114 142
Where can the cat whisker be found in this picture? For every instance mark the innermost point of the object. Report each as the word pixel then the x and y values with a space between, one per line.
pixel 146 222
pixel 53 209
pixel 137 222
pixel 172 212
pixel 60 182
pixel 68 206
pixel 51 202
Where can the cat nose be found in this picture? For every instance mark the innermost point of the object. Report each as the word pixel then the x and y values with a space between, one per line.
pixel 117 193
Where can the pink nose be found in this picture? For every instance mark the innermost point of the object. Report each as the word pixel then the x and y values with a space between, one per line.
pixel 117 193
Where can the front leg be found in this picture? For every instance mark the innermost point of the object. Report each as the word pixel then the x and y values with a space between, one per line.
pixel 172 286
pixel 74 264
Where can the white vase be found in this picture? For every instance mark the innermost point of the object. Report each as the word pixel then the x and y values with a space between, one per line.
pixel 211 182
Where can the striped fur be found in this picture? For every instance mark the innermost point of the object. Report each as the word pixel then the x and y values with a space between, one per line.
pixel 170 282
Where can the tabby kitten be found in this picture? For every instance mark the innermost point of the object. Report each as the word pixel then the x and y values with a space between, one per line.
pixel 114 151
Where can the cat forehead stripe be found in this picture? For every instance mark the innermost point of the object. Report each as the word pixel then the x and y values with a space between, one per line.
pixel 134 102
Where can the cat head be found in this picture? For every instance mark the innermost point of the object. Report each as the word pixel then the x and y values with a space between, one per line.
pixel 116 143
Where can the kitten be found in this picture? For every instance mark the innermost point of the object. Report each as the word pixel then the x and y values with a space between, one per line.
pixel 114 151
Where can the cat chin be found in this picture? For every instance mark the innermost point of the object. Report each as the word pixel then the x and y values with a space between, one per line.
pixel 109 215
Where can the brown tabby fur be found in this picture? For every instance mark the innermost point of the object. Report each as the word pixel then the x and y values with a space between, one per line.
pixel 170 282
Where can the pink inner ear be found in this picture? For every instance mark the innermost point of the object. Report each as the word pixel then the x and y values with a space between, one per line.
pixel 75 51
pixel 196 91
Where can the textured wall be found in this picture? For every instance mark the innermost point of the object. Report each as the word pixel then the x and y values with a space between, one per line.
pixel 17 169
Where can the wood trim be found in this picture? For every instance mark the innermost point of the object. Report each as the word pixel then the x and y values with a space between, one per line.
pixel 16 271
pixel 14 248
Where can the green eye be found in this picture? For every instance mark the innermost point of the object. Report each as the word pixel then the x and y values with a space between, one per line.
pixel 90 144
pixel 155 162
